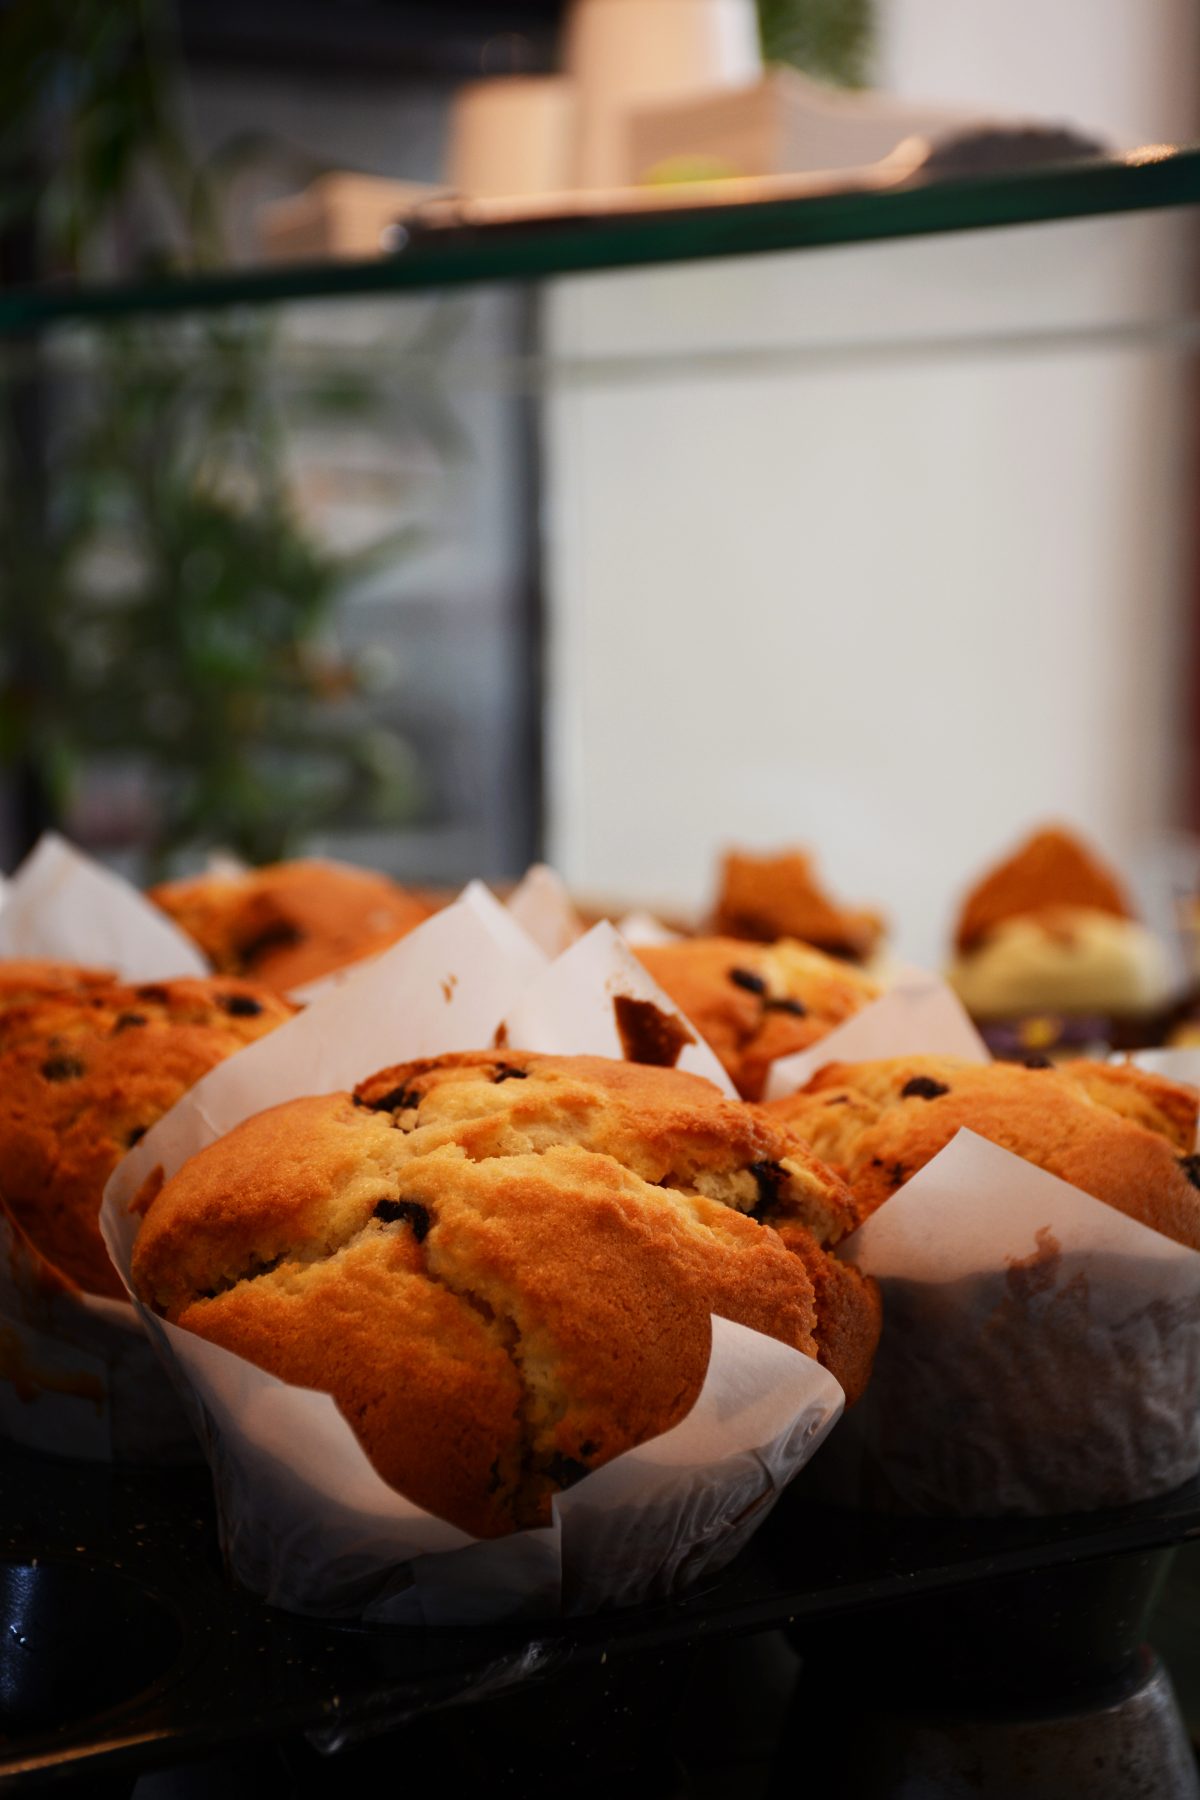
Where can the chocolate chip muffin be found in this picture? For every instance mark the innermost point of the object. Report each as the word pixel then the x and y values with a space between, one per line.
pixel 292 922
pixel 778 896
pixel 1120 1134
pixel 502 1267
pixel 755 1002
pixel 84 1073
pixel 1049 953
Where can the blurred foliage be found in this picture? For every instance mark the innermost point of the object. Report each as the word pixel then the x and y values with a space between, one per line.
pixel 165 604
pixel 831 40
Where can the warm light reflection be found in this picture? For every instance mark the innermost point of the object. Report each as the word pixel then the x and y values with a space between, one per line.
pixel 1151 153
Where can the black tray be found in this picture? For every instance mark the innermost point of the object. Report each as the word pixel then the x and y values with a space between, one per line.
pixel 123 1646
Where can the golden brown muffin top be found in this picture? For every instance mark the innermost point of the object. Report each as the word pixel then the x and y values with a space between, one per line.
pixel 24 979
pixel 778 896
pixel 1050 871
pixel 755 1002
pixel 501 1266
pixel 1120 1134
pixel 83 1076
pixel 291 922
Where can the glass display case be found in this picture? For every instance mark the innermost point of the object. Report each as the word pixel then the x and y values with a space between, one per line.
pixel 915 506
pixel 862 520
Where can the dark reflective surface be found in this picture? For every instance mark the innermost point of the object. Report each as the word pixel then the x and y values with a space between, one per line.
pixel 75 1641
pixel 96 1563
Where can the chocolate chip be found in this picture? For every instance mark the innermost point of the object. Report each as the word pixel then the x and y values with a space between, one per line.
pixel 408 1212
pixel 494 1478
pixel 746 978
pixel 63 1068
pixel 923 1087
pixel 158 996
pixel 255 1268
pixel 1191 1168
pixel 135 1136
pixel 796 1008
pixel 1035 1060
pixel 125 1021
pixel 566 1470
pixel 503 1073
pixel 769 1177
pixel 239 1006
pixel 649 1035
pixel 397 1099
pixel 897 1175
pixel 280 936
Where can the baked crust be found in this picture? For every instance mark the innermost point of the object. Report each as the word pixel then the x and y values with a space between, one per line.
pixel 1160 1105
pixel 292 922
pixel 778 896
pixel 24 979
pixel 84 1073
pixel 501 1266
pixel 1117 1133
pixel 754 1002
pixel 1050 872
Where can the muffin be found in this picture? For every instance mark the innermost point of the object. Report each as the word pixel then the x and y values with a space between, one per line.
pixel 26 980
pixel 502 1268
pixel 755 1002
pixel 291 922
pixel 1049 954
pixel 84 1073
pixel 1120 1134
pixel 778 896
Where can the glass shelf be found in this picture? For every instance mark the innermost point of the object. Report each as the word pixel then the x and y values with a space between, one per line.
pixel 444 256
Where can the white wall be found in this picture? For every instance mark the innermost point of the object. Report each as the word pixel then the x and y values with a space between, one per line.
pixel 901 598
pixel 1118 66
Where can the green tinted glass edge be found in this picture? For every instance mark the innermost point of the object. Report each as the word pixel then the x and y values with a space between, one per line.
pixel 529 252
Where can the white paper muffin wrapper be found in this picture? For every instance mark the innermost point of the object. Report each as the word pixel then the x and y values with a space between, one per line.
pixel 543 908
pixel 306 1521
pixel 917 1012
pixel 1040 1350
pixel 61 906
pixel 539 904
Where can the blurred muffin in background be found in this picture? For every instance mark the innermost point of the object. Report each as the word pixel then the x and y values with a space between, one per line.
pixel 291 922
pixel 770 896
pixel 755 1002
pixel 85 1071
pixel 1049 953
